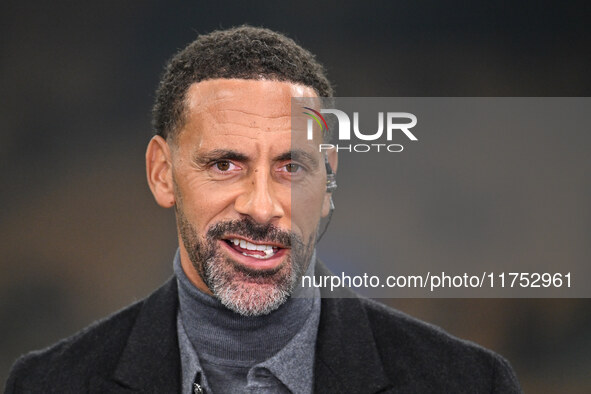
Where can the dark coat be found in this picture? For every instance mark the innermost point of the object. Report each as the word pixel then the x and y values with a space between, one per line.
pixel 362 347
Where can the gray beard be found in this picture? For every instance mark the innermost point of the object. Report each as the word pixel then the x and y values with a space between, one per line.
pixel 240 289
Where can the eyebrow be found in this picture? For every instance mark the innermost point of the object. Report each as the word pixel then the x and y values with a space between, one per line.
pixel 299 155
pixel 216 155
pixel 202 159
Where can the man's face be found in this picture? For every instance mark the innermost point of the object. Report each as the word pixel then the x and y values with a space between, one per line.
pixel 235 169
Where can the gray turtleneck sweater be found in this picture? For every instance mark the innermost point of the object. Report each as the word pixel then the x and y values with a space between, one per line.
pixel 228 352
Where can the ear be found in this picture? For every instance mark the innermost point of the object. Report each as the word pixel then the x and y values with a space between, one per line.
pixel 333 160
pixel 159 171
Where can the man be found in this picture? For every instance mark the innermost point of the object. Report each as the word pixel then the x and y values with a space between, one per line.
pixel 232 319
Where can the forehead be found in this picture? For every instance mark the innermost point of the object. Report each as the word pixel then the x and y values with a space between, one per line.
pixel 239 101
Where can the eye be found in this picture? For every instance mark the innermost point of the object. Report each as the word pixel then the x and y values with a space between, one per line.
pixel 224 166
pixel 292 168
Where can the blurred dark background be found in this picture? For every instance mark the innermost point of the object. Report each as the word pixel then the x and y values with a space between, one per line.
pixel 80 233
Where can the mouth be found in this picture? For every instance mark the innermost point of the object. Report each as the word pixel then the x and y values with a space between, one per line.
pixel 255 254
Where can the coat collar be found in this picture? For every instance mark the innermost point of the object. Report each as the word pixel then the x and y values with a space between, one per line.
pixel 347 359
pixel 150 362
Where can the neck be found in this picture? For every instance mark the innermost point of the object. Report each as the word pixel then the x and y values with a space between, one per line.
pixel 215 330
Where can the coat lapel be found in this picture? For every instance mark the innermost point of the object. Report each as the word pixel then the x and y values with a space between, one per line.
pixel 347 359
pixel 150 361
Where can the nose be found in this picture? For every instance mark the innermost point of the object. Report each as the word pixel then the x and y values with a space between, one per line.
pixel 259 200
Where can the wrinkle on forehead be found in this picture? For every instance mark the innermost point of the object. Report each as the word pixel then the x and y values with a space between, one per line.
pixel 249 96
pixel 264 105
pixel 267 116
pixel 251 119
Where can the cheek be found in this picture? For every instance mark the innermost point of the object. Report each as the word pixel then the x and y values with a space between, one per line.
pixel 306 209
pixel 203 206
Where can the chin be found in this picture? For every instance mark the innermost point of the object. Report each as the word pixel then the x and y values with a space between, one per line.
pixel 250 292
pixel 248 299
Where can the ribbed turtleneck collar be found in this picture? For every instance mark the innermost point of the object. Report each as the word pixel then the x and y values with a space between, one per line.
pixel 216 331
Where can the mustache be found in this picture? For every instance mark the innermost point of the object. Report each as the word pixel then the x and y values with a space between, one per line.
pixel 248 228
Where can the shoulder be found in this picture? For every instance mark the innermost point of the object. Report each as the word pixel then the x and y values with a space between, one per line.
pixel 96 352
pixel 415 356
pixel 70 361
pixel 415 350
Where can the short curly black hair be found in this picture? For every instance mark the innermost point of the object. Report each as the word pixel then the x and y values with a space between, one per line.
pixel 243 52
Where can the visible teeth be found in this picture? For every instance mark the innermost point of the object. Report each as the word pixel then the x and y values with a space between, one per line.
pixel 250 246
pixel 267 255
pixel 268 249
